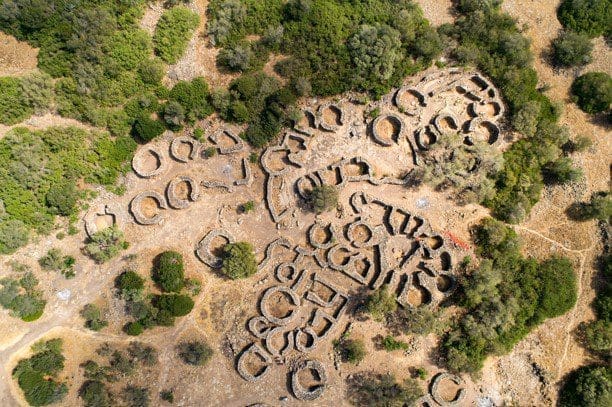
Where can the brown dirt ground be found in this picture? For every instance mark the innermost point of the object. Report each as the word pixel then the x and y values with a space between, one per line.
pixel 16 57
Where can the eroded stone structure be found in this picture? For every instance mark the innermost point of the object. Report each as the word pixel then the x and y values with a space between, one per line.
pixel 227 170
pixel 409 122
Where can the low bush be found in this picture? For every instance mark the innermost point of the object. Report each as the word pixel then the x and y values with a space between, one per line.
pixel 13 104
pixel 593 92
pixel 93 317
pixel 350 350
pixel 390 344
pixel 130 284
pixel 381 304
pixel 95 394
pixel 195 353
pixel 22 297
pixel 572 49
pixel 177 305
pixel 105 244
pixel 168 271
pixel 173 32
pixel 238 260
pixel 377 390
pixel 146 128
pixel 323 198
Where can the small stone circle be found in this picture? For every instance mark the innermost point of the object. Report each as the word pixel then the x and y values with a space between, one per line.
pixel 301 392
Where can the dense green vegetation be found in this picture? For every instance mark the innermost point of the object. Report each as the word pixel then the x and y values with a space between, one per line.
pixel 369 389
pixel 488 38
pixel 173 32
pixel 238 260
pixel 149 310
pixel 333 46
pixel 196 353
pixel 505 297
pixel 590 17
pixel 37 375
pixel 21 296
pixel 39 171
pixel 593 92
pixel 589 386
pixel 23 96
pixel 98 56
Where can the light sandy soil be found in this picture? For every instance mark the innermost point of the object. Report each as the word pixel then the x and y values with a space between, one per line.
pixel 44 121
pixel 437 12
pixel 527 376
pixel 16 57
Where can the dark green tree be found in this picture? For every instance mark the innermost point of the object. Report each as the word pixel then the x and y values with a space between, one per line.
pixel 195 353
pixel 593 92
pixel 169 271
pixel 238 260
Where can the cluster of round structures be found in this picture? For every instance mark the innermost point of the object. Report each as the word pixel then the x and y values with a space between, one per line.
pixel 182 190
pixel 412 120
pixel 375 242
pixel 378 243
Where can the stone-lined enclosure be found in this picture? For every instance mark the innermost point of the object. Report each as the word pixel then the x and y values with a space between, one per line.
pixel 316 264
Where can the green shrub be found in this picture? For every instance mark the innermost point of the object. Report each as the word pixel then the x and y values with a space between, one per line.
pixel 598 336
pixel 22 298
pixel 238 260
pixel 381 304
pixel 135 396
pixel 173 32
pixel 558 287
pixel 377 390
pixel 561 171
pixel 590 17
pixel 588 386
pixel 351 350
pixel 194 97
pixel 195 353
pixel 323 198
pixel 572 49
pixel 130 284
pixel 95 394
pixel 133 328
pixel 390 344
pixel 63 198
pixel 177 305
pixel 13 104
pixel 147 129
pixel 105 244
pixel 593 92
pixel 167 395
pixel 13 235
pixel 93 317
pixel 168 271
